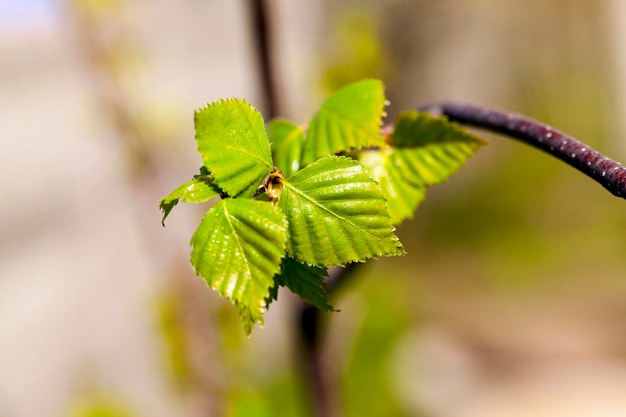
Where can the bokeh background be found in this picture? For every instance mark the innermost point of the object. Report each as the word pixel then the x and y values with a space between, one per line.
pixel 511 302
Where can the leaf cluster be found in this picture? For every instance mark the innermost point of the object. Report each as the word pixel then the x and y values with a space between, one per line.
pixel 296 200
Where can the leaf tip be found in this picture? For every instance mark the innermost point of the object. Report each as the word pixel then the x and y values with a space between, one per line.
pixel 166 207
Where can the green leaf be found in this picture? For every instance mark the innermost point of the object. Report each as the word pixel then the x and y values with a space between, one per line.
pixel 198 190
pixel 424 150
pixel 237 249
pixel 337 214
pixel 413 128
pixel 234 146
pixel 349 119
pixel 287 139
pixel 272 294
pixel 389 167
pixel 305 281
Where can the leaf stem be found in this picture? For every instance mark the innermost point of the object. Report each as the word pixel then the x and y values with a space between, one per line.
pixel 602 169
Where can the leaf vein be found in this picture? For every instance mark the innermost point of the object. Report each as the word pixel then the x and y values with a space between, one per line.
pixel 315 203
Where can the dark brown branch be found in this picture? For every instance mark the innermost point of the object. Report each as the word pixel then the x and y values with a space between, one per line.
pixel 607 172
pixel 322 390
pixel 260 12
pixel 318 373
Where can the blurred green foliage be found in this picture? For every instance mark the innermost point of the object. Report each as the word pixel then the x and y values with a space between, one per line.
pixel 249 405
pixel 100 405
pixel 356 51
pixel 169 312
pixel 367 389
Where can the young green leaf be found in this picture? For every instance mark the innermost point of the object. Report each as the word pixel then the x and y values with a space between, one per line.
pixel 237 249
pixel 337 214
pixel 234 146
pixel 349 119
pixel 305 281
pixel 287 139
pixel 392 169
pixel 424 150
pixel 198 190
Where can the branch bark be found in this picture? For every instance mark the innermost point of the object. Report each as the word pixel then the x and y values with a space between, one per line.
pixel 321 380
pixel 602 169
pixel 261 30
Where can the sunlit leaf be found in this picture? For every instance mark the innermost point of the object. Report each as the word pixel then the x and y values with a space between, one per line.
pixel 337 214
pixel 234 146
pixel 237 249
pixel 305 281
pixel 403 194
pixel 287 139
pixel 423 151
pixel 198 190
pixel 349 119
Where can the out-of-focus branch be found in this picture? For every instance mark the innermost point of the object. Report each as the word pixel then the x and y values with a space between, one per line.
pixel 322 390
pixel 261 29
pixel 320 378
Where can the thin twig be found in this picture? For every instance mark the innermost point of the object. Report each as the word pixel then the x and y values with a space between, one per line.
pixel 324 398
pixel 261 31
pixel 602 169
pixel 319 376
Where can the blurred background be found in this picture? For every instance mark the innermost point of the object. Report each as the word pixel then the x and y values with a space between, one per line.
pixel 511 301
